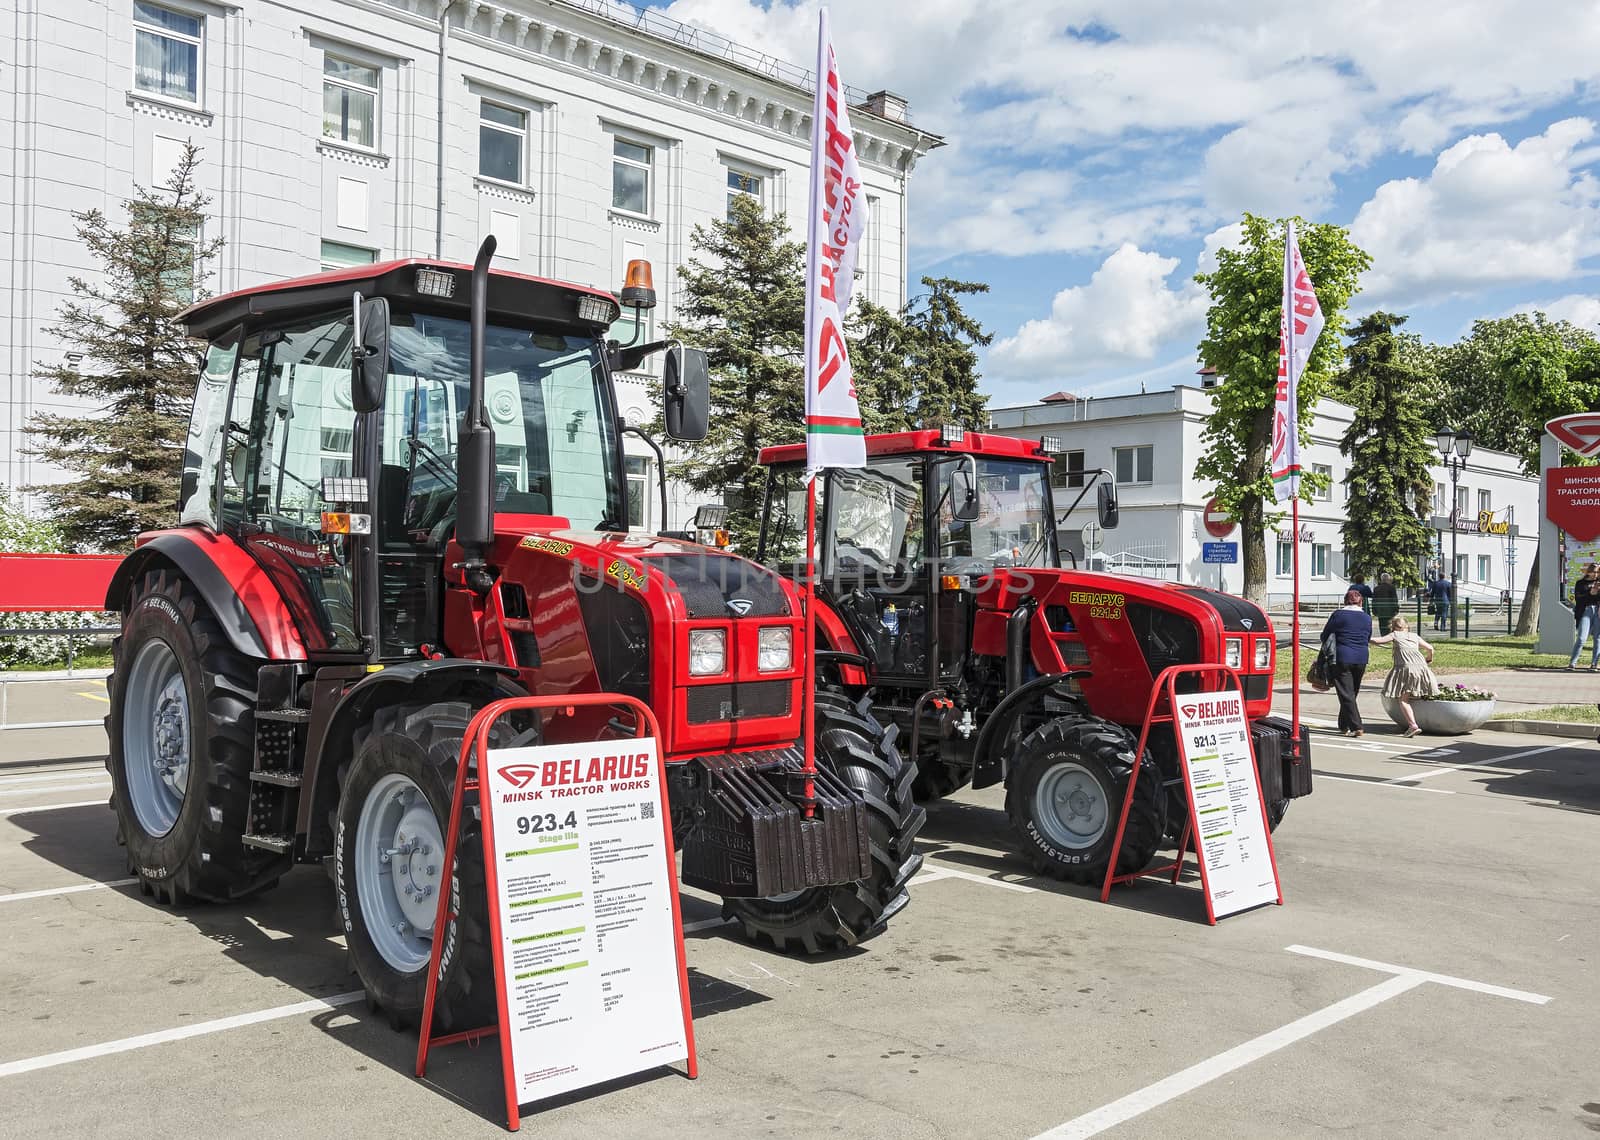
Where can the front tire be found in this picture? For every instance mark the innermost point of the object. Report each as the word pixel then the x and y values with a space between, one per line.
pixel 853 745
pixel 1065 792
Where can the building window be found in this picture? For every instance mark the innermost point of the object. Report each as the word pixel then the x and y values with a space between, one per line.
pixel 1067 469
pixel 1285 558
pixel 1461 569
pixel 1133 464
pixel 1326 493
pixel 638 489
pixel 1438 498
pixel 1321 560
pixel 1462 494
pixel 1485 502
pixel 630 176
pixel 338 255
pixel 743 184
pixel 1483 567
pixel 349 101
pixel 502 131
pixel 166 52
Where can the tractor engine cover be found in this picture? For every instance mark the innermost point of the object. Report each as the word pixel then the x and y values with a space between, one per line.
pixel 746 834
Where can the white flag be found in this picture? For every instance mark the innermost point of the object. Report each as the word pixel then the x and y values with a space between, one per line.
pixel 1299 328
pixel 837 220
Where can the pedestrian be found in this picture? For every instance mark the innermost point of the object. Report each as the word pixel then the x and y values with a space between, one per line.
pixel 1440 593
pixel 1410 677
pixel 1586 615
pixel 1359 582
pixel 1351 630
pixel 1385 601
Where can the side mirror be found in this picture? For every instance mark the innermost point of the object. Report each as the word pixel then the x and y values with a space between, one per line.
pixel 964 498
pixel 1106 506
pixel 369 354
pixel 686 381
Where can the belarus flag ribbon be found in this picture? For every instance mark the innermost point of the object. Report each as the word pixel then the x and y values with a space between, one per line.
pixel 835 224
pixel 1300 326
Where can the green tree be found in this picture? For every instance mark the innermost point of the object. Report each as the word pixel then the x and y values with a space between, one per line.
pixel 1241 343
pixel 22 533
pixel 942 355
pixel 1389 489
pixel 137 366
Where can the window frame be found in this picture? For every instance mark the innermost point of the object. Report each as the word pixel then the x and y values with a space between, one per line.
pixel 1485 500
pixel 1285 558
pixel 376 91
pixel 520 133
pixel 1064 474
pixel 1322 561
pixel 1485 568
pixel 1133 450
pixel 1461 569
pixel 642 477
pixel 331 267
pixel 1325 494
pixel 197 41
pixel 733 170
pixel 1463 501
pixel 620 138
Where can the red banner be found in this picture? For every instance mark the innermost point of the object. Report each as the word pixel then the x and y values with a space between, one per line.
pixel 54 582
pixel 1572 500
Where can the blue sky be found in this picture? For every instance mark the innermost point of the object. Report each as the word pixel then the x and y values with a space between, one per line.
pixel 1099 153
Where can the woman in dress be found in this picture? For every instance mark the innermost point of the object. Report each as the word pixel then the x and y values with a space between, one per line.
pixel 1351 631
pixel 1410 678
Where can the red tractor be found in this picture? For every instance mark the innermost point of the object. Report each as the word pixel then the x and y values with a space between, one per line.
pixel 403 497
pixel 947 603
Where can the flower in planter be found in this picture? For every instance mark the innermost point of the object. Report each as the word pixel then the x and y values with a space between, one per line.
pixel 1459 693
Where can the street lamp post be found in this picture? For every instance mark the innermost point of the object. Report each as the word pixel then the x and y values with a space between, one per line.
pixel 1453 450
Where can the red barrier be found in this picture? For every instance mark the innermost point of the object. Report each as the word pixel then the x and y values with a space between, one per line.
pixel 51 583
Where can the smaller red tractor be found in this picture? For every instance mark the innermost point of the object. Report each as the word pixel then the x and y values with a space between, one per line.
pixel 946 601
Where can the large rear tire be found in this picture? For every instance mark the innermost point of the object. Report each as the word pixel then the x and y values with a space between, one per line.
pixel 1064 793
pixel 390 825
pixel 853 745
pixel 181 732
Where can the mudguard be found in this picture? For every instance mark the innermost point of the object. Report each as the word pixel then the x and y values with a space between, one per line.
pixel 988 760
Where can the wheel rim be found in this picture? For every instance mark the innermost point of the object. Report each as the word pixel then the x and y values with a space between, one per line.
pixel 399 851
pixel 1070 806
pixel 156 738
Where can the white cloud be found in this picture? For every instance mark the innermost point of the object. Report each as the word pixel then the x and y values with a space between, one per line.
pixel 1488 214
pixel 1124 313
pixel 1582 309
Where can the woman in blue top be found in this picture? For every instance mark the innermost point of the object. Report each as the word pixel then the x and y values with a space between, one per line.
pixel 1351 630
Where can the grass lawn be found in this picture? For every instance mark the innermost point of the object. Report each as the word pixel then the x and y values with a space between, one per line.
pixel 1480 655
pixel 1579 714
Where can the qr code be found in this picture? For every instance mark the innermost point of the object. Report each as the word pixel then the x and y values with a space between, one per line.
pixel 647 810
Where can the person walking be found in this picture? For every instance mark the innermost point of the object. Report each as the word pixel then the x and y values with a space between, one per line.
pixel 1586 615
pixel 1440 593
pixel 1410 677
pixel 1359 582
pixel 1385 602
pixel 1351 630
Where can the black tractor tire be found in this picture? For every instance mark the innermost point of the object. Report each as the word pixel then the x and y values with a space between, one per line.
pixel 422 743
pixel 206 712
pixel 1093 759
pixel 852 744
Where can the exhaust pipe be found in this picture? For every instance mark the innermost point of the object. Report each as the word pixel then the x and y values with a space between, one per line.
pixel 1017 644
pixel 475 444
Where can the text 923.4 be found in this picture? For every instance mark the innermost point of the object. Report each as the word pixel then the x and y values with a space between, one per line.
pixel 538 824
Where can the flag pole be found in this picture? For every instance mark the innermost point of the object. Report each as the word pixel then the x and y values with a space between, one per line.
pixel 808 682
pixel 1294 627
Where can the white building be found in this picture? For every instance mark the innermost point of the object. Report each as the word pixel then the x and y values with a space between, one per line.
pixel 1151 442
pixel 582 133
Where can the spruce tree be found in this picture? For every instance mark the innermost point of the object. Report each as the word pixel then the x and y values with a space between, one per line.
pixel 943 355
pixel 1389 488
pixel 136 366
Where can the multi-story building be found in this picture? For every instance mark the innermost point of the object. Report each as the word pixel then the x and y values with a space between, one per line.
pixel 1150 444
pixel 582 133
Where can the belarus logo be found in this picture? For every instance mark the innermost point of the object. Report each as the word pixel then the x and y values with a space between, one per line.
pixel 519 775
pixel 1579 432
pixel 1190 710
pixel 740 606
pixel 1248 623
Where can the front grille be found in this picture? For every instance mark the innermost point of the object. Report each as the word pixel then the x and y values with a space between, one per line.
pixel 711 703
pixel 619 638
pixel 1257 686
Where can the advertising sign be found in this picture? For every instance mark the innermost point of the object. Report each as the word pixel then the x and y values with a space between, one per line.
pixel 1572 500
pixel 584 890
pixel 1237 868
pixel 1219 552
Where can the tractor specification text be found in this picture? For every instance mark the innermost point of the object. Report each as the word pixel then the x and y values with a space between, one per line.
pixel 1102 606
pixel 589 947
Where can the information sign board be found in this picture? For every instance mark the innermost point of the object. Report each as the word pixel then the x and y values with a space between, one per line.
pixel 1220 552
pixel 1237 868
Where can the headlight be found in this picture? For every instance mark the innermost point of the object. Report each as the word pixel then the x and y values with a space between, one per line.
pixel 708 652
pixel 1263 653
pixel 1231 653
pixel 776 650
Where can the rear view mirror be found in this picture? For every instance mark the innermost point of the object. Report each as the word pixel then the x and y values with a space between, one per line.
pixel 964 492
pixel 369 355
pixel 686 382
pixel 1106 506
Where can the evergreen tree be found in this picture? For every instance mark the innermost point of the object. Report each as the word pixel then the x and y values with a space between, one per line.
pixel 943 355
pixel 1390 445
pixel 1241 343
pixel 137 366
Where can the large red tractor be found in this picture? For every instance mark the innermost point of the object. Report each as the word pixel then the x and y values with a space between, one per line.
pixel 947 604
pixel 403 498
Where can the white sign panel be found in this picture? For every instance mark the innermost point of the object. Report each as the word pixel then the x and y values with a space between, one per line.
pixel 584 890
pixel 1225 802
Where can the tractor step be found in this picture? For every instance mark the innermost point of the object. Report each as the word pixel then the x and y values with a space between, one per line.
pixel 280 779
pixel 289 716
pixel 277 844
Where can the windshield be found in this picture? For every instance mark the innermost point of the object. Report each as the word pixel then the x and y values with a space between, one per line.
pixel 555 441
pixel 1013 527
pixel 877 523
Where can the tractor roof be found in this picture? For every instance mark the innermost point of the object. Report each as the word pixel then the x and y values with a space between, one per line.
pixel 513 297
pixel 911 442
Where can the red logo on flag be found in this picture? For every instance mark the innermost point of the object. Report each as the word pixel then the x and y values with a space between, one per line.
pixel 1580 432
pixel 520 775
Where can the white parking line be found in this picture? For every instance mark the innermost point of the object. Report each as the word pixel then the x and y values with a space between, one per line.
pixel 1494 761
pixel 51 807
pixel 19 896
pixel 46 789
pixel 1153 1096
pixel 161 1037
pixel 63 774
pixel 703 924
pixel 1384 784
pixel 951 873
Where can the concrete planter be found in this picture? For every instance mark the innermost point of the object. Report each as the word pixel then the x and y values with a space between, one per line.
pixel 1442 718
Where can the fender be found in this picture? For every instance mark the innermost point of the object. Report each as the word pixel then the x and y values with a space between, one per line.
pixel 988 762
pixel 233 586
pixel 338 712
